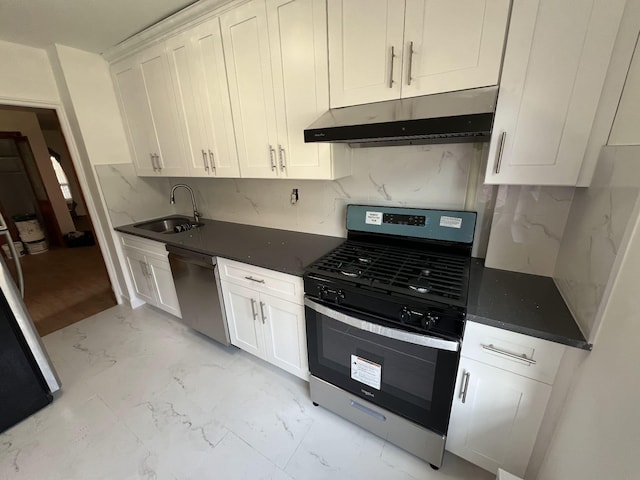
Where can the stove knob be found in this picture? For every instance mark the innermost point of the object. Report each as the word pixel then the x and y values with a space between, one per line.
pixel 429 321
pixel 405 315
pixel 322 290
pixel 341 294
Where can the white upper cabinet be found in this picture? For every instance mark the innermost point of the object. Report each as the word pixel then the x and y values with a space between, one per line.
pixel 298 40
pixel 555 64
pixel 395 49
pixel 276 55
pixel 365 50
pixel 151 113
pixel 246 47
pixel 452 45
pixel 199 78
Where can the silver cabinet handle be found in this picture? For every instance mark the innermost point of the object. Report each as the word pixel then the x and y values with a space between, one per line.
pixel 153 162
pixel 254 279
pixel 281 157
pixel 253 309
pixel 503 137
pixel 410 63
pixel 393 55
pixel 145 269
pixel 204 160
pixel 465 386
pixel 522 357
pixel 213 164
pixel 262 313
pixel 271 155
pixel 158 161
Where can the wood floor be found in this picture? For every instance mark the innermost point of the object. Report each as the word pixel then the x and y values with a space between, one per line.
pixel 64 286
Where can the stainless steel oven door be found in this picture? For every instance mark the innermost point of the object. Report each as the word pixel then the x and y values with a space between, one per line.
pixel 410 374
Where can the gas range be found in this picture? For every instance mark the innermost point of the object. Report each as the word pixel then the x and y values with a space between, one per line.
pixel 415 283
pixel 385 314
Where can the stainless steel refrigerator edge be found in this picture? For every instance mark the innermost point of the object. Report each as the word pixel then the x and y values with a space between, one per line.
pixel 23 319
pixel 198 287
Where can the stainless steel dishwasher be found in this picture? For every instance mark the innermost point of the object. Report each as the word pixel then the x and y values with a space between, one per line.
pixel 198 287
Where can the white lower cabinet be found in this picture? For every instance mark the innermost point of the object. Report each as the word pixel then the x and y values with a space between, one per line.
pixel 267 327
pixel 502 389
pixel 150 273
pixel 266 318
pixel 495 417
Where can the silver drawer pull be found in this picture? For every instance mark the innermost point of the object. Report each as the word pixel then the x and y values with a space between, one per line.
pixel 515 356
pixel 367 410
pixel 465 386
pixel 254 279
pixel 262 313
pixel 253 309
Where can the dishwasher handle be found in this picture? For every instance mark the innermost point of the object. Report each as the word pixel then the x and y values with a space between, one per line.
pixel 194 258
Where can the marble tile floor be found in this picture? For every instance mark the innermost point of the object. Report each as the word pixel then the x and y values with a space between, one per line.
pixel 144 397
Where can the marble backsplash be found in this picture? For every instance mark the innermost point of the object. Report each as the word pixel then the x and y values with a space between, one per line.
pixel 433 176
pixel 527 228
pixel 596 225
pixel 130 198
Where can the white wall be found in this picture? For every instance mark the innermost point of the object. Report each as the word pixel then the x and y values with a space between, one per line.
pixel 26 75
pixel 597 436
pixel 87 78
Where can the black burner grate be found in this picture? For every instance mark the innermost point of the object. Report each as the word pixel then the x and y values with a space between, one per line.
pixel 419 273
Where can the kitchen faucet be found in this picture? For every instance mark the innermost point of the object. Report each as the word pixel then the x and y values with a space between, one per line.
pixel 172 199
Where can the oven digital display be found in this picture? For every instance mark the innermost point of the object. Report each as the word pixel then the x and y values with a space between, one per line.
pixel 397 219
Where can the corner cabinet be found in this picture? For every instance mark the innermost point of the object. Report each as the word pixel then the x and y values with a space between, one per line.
pixel 276 54
pixel 502 389
pixel 150 273
pixel 555 64
pixel 392 49
pixel 149 109
pixel 265 314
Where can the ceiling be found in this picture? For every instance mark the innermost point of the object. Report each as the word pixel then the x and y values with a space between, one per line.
pixel 91 25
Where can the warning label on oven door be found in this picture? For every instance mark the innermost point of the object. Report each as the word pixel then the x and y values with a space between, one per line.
pixel 366 371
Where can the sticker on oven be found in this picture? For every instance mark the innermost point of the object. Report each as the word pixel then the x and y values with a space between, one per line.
pixel 450 222
pixel 373 218
pixel 365 371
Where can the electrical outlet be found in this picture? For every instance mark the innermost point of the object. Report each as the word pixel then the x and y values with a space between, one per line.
pixel 294 196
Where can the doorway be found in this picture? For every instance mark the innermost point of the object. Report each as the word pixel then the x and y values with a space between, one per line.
pixel 65 276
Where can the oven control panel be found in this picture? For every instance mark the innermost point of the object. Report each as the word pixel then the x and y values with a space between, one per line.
pixel 447 225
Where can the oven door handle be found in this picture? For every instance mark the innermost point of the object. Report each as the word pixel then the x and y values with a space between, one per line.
pixel 415 338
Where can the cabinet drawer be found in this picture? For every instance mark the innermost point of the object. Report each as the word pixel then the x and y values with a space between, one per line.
pixel 501 348
pixel 282 285
pixel 144 245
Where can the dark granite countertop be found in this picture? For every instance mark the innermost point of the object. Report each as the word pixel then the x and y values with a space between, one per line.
pixel 281 250
pixel 528 304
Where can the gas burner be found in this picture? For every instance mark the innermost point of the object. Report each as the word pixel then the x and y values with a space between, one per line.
pixel 420 285
pixel 425 272
pixel 350 270
pixel 365 260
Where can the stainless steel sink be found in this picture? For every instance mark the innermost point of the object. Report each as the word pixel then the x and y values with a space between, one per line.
pixel 167 225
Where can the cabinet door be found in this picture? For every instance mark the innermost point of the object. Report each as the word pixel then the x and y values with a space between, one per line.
pixel 215 101
pixel 243 317
pixel 165 289
pixel 134 106
pixel 246 49
pixel 183 72
pixel 365 50
pixel 452 45
pixel 164 112
pixel 140 273
pixel 497 424
pixel 284 334
pixel 547 102
pixel 298 40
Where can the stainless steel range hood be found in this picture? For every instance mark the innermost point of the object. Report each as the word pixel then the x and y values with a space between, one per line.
pixel 453 117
